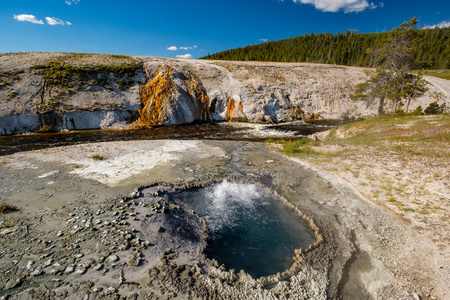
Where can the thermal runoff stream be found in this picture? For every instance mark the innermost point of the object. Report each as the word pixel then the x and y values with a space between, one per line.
pixel 250 228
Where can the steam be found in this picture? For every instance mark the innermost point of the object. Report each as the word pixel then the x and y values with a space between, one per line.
pixel 228 201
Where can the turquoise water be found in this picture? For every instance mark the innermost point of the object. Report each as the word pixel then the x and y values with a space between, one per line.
pixel 250 228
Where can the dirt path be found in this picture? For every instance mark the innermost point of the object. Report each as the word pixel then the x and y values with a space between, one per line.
pixel 442 84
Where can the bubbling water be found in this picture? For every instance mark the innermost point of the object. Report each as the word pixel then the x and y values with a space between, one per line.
pixel 250 228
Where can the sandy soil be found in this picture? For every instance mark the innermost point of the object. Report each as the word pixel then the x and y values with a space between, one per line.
pixel 81 230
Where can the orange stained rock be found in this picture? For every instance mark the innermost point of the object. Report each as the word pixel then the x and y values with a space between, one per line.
pixel 159 98
pixel 197 90
pixel 235 113
pixel 297 113
pixel 151 96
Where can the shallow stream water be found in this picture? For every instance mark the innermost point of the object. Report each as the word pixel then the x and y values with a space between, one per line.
pixel 221 131
pixel 250 228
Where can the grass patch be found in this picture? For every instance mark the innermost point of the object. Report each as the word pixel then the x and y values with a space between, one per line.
pixel 404 134
pixel 4 209
pixel 442 73
pixel 7 208
pixel 302 147
pixel 45 129
pixel 7 224
pixel 97 157
pixel 60 74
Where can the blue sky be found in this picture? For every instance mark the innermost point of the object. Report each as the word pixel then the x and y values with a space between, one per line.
pixel 196 27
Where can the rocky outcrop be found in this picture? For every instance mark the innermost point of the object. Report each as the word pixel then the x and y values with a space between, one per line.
pixel 72 120
pixel 172 96
pixel 235 111
pixel 87 91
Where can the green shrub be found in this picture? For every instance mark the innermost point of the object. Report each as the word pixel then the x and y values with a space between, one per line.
pixel 435 109
pixel 97 157
pixel 400 112
pixel 417 112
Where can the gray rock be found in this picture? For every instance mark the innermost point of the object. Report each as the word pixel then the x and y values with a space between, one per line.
pixel 30 264
pixel 113 258
pixel 69 269
pixel 48 262
pixel 36 272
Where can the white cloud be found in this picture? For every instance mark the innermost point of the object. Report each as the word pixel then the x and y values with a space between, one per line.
pixel 70 2
pixel 54 21
pixel 28 18
pixel 172 48
pixel 69 23
pixel 185 56
pixel 185 48
pixel 262 40
pixel 440 25
pixel 347 6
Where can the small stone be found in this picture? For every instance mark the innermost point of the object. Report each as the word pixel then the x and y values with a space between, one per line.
pixel 36 272
pixel 160 229
pixel 135 194
pixel 98 267
pixel 30 264
pixel 14 283
pixel 48 262
pixel 60 233
pixel 69 269
pixel 98 221
pixel 113 258
pixel 76 229
pixel 81 271
pixel 80 255
pixel 97 289
pixel 44 256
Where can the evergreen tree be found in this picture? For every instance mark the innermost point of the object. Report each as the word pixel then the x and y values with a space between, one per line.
pixel 344 48
pixel 394 58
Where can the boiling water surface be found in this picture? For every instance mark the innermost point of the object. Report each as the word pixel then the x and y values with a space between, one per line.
pixel 250 228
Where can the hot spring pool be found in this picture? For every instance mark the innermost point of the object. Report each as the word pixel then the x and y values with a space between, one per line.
pixel 250 228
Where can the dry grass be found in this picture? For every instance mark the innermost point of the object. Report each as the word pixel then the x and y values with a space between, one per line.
pixel 97 157
pixel 400 163
pixel 7 208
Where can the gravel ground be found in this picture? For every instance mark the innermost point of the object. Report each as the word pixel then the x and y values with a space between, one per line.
pixel 82 228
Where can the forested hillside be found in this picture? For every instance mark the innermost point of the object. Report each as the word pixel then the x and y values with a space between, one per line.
pixel 342 49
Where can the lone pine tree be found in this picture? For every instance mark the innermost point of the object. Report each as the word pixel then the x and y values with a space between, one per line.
pixel 394 59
